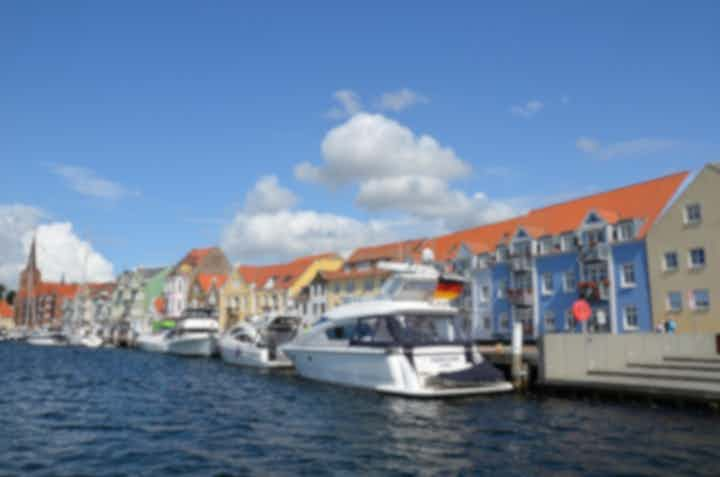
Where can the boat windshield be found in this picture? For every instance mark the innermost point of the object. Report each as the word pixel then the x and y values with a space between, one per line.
pixel 411 329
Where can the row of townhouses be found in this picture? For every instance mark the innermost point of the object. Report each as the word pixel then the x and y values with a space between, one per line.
pixel 640 255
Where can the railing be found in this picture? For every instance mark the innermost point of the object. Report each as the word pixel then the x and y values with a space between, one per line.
pixel 595 290
pixel 595 252
pixel 520 296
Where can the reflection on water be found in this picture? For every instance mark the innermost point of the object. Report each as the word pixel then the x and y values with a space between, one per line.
pixel 116 412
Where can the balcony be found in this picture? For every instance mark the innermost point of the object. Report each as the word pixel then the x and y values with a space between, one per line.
pixel 595 252
pixel 595 291
pixel 520 296
pixel 521 263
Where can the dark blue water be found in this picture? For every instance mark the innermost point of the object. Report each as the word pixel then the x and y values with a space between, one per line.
pixel 67 411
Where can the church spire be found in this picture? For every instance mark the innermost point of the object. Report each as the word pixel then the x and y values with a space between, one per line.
pixel 32 258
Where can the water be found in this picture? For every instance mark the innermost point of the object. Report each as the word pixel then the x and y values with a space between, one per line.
pixel 66 411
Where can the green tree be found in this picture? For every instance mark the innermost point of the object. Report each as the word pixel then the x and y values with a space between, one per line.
pixel 10 297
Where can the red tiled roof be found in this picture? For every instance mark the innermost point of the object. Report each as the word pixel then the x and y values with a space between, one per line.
pixel 207 279
pixel 284 274
pixel 65 290
pixel 6 310
pixel 97 288
pixel 195 256
pixel 396 251
pixel 643 201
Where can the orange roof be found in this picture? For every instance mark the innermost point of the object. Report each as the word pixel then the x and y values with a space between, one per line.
pixel 65 290
pixel 643 201
pixel 396 251
pixel 97 288
pixel 284 274
pixel 6 310
pixel 354 274
pixel 206 280
pixel 195 256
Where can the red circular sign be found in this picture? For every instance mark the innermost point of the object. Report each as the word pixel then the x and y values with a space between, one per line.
pixel 581 310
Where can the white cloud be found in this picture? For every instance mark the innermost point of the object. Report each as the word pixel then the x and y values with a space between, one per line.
pixel 349 104
pixel 87 182
pixel 399 100
pixel 371 145
pixel 60 250
pixel 630 148
pixel 527 110
pixel 269 196
pixel 430 198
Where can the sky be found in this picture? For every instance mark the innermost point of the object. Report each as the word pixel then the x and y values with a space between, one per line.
pixel 131 132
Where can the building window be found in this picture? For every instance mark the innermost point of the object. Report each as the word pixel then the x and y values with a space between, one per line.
pixel 567 242
pixel 546 244
pixel 483 293
pixel 569 319
pixel 693 214
pixel 670 261
pixel 502 289
pixel 502 253
pixel 627 279
pixel 674 301
pixel 595 272
pixel 337 287
pixel 369 284
pixel 626 231
pixel 549 318
pixel 697 257
pixel 701 299
pixel 569 282
pixel 594 236
pixel 504 321
pixel 350 286
pixel 630 315
pixel 487 323
pixel 547 284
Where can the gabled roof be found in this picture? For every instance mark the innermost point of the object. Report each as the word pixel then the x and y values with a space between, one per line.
pixel 396 251
pixel 284 274
pixel 206 280
pixel 6 310
pixel 643 201
pixel 195 256
pixel 64 290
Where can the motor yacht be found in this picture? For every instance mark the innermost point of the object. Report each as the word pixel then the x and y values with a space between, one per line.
pixel 406 341
pixel 194 335
pixel 257 341
pixel 47 338
pixel 153 342
pixel 85 336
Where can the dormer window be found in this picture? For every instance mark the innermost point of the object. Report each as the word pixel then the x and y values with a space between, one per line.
pixel 626 231
pixel 594 236
pixel 545 245
pixel 567 242
pixel 502 253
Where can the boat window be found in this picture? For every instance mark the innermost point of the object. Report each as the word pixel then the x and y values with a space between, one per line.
pixel 418 329
pixel 243 338
pixel 340 332
pixel 373 330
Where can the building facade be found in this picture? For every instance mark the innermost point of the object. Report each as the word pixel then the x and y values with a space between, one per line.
pixel 205 291
pixel 683 251
pixel 133 297
pixel 532 268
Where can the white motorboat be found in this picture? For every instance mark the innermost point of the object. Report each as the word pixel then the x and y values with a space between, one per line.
pixel 256 342
pixel 153 342
pixel 47 338
pixel 410 348
pixel 84 336
pixel 194 335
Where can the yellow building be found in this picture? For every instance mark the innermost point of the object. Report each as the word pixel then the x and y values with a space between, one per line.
pixel 257 289
pixel 683 250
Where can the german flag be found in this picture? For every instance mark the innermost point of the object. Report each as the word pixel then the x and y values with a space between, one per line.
pixel 448 289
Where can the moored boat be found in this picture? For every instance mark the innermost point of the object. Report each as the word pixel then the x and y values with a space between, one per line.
pixel 194 335
pixel 257 342
pixel 47 338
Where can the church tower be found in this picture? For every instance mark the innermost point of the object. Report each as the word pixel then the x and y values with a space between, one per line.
pixel 30 280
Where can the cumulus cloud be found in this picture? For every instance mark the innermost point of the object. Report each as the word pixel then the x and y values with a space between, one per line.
pixel 371 145
pixel 269 196
pixel 348 104
pixel 398 100
pixel 87 182
pixel 630 148
pixel 527 110
pixel 431 198
pixel 60 250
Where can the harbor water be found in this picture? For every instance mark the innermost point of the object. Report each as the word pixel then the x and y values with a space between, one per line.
pixel 72 411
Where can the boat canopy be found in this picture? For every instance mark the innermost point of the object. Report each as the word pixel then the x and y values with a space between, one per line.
pixel 164 325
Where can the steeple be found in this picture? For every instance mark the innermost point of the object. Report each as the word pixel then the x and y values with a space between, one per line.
pixel 32 259
pixel 31 273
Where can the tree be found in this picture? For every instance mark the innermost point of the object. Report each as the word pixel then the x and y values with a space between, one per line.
pixel 2 291
pixel 10 297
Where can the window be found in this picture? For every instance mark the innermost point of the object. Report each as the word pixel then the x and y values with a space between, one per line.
pixel 547 284
pixel 626 231
pixel 670 261
pixel 322 307
pixel 594 236
pixel 487 322
pixel 674 301
pixel 502 253
pixel 340 332
pixel 630 315
pixel 369 284
pixel 567 242
pixel 595 272
pixel 701 299
pixel 569 319
pixel 546 244
pixel 697 257
pixel 627 279
pixel 350 286
pixel 502 289
pixel 483 293
pixel 569 282
pixel 337 287
pixel 504 321
pixel 693 214
pixel 549 318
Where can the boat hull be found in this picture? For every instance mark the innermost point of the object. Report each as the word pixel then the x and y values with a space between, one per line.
pixel 201 346
pixel 239 354
pixel 45 341
pixel 152 344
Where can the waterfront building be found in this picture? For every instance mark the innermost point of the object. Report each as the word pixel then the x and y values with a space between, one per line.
pixel 205 291
pixel 253 289
pixel 683 250
pixel 39 303
pixel 7 316
pixel 530 269
pixel 178 282
pixel 133 298
pixel 360 277
pixel 90 305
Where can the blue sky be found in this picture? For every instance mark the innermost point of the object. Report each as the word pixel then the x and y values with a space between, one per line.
pixel 146 124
